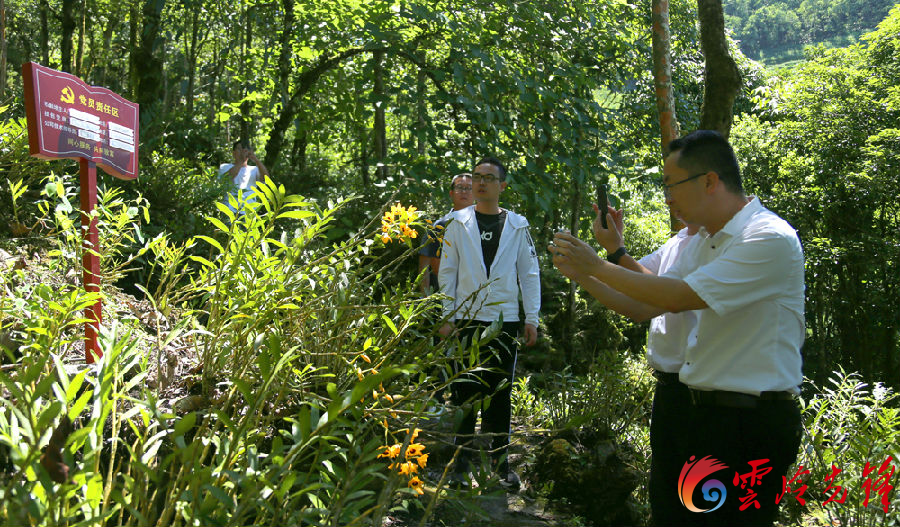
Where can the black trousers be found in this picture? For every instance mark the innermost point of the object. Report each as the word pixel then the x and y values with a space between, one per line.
pixel 668 435
pixel 489 390
pixel 738 437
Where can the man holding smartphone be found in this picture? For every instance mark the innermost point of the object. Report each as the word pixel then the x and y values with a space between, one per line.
pixel 666 342
pixel 743 274
pixel 243 175
pixel 487 259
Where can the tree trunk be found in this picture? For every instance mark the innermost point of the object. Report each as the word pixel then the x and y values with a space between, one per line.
pixel 245 57
pixel 79 54
pixel 68 29
pixel 133 21
pixel 662 73
pixel 2 48
pixel 421 129
pixel 192 58
pixel 380 143
pixel 45 33
pixel 662 80
pixel 301 141
pixel 149 63
pixel 723 79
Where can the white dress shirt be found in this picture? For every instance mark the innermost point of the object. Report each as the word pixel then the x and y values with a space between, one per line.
pixel 669 331
pixel 750 274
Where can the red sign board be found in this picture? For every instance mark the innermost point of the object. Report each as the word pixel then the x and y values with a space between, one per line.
pixel 70 119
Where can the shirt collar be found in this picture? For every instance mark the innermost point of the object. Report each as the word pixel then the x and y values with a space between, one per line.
pixel 736 224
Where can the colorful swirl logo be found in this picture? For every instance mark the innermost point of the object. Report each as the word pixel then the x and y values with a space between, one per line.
pixel 692 473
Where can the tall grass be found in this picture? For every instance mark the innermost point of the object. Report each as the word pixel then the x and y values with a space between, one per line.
pixel 306 369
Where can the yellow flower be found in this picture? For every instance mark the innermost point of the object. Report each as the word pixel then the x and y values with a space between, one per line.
pixel 359 374
pixel 414 450
pixel 415 433
pixel 366 358
pixel 408 469
pixel 386 239
pixel 388 397
pixel 422 460
pixel 416 484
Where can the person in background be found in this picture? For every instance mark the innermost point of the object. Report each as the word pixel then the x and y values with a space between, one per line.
pixel 430 253
pixel 487 259
pixel 243 175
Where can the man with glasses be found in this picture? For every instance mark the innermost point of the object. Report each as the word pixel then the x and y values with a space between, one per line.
pixel 743 274
pixel 487 259
pixel 429 254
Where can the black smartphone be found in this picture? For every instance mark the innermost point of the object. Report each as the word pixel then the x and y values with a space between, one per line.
pixel 602 203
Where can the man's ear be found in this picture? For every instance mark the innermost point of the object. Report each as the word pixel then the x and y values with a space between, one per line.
pixel 712 181
pixel 502 186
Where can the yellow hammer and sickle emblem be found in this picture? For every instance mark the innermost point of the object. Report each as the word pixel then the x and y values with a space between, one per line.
pixel 68 96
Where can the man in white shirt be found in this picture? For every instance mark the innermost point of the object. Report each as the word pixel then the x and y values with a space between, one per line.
pixel 743 273
pixel 242 175
pixel 487 259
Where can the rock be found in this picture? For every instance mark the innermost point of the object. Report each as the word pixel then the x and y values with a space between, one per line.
pixel 594 481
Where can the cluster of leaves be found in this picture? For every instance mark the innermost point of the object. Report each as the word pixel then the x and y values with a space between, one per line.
pixel 825 154
pixel 279 428
pixel 853 427
pixel 763 28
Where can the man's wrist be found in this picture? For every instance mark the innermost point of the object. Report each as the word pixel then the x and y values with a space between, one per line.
pixel 617 255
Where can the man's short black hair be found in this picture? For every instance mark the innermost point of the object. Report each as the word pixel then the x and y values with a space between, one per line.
pixel 241 143
pixel 457 176
pixel 708 151
pixel 491 160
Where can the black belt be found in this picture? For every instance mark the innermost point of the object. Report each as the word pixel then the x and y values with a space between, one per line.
pixel 665 377
pixel 736 399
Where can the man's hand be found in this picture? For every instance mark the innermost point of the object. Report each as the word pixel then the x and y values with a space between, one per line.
pixel 530 335
pixel 611 238
pixel 446 330
pixel 573 257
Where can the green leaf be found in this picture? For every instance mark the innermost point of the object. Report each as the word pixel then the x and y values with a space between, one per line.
pixel 389 323
pixel 212 242
pixel 184 424
pixel 296 214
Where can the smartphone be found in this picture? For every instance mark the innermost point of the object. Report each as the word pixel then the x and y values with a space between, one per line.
pixel 602 203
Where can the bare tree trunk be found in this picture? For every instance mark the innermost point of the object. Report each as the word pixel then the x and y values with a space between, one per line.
pixel 68 28
pixel 2 48
pixel 380 129
pixel 662 80
pixel 662 73
pixel 723 79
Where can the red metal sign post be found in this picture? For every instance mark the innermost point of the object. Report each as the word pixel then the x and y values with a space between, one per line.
pixel 68 119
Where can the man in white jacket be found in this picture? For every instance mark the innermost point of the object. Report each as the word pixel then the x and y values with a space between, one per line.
pixel 488 257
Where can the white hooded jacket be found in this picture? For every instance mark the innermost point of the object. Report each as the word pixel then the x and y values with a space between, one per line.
pixel 515 267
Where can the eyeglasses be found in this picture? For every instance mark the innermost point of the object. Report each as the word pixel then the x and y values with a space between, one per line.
pixel 462 189
pixel 668 188
pixel 487 178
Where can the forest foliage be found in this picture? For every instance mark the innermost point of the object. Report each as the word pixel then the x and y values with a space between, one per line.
pixel 766 28
pixel 303 313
